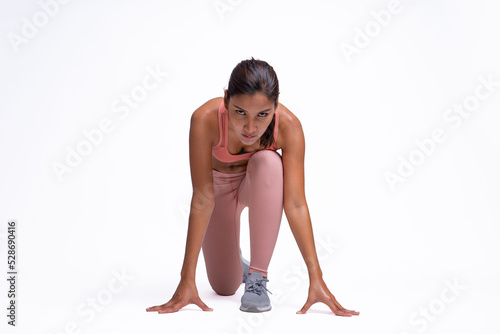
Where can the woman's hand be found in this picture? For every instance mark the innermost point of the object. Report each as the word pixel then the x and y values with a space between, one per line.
pixel 186 293
pixel 318 292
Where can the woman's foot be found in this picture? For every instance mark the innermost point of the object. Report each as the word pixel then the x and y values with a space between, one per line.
pixel 255 298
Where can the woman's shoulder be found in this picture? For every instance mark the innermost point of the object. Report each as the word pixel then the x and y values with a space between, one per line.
pixel 206 117
pixel 289 125
pixel 208 109
pixel 287 119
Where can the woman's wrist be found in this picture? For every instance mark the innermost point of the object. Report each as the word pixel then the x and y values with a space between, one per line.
pixel 315 275
pixel 188 275
pixel 313 269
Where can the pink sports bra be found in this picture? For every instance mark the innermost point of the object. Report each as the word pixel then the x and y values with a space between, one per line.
pixel 220 151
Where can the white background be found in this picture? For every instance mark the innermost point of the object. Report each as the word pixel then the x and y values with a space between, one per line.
pixel 387 253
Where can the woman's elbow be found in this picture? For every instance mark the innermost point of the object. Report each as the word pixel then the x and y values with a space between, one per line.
pixel 202 202
pixel 293 204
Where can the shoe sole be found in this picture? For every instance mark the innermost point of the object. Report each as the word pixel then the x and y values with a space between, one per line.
pixel 255 309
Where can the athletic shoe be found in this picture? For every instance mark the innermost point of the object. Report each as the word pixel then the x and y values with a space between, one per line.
pixel 255 298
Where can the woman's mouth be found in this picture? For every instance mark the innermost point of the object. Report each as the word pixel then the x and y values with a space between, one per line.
pixel 248 137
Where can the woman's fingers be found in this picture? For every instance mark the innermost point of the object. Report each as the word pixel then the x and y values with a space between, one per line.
pixel 306 307
pixel 186 293
pixel 156 308
pixel 339 310
pixel 329 300
pixel 176 306
pixel 335 310
pixel 172 307
pixel 202 305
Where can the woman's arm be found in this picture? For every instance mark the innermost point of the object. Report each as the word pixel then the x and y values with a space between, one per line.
pixel 202 203
pixel 295 205
pixel 297 213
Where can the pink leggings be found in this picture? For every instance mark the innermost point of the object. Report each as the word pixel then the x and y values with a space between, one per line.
pixel 260 188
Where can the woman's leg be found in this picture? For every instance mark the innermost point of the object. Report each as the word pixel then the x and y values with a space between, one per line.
pixel 221 245
pixel 262 191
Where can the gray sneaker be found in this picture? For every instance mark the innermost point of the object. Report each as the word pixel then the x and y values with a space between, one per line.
pixel 246 266
pixel 255 298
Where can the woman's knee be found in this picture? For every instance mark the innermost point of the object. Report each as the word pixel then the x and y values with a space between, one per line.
pixel 224 269
pixel 267 161
pixel 225 288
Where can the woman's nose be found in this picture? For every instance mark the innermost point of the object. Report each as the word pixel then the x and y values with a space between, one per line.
pixel 250 126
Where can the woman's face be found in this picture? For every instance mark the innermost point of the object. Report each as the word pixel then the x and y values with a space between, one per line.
pixel 249 116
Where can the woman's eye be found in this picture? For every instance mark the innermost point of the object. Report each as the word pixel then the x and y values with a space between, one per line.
pixel 263 114
pixel 240 112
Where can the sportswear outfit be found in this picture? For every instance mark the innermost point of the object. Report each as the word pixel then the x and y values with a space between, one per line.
pixel 260 188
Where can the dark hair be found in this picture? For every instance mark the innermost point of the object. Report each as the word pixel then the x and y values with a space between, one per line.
pixel 256 76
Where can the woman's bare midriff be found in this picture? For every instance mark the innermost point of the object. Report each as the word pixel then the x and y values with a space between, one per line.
pixel 229 167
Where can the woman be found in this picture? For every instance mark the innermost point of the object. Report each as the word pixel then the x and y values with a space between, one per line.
pixel 234 164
